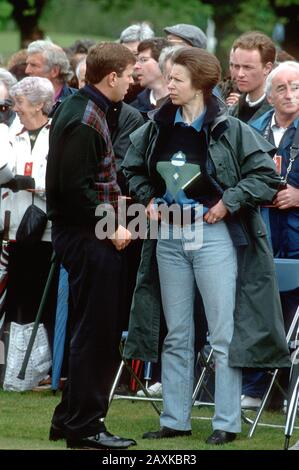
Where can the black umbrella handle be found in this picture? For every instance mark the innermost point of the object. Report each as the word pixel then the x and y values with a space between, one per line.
pixel 6 225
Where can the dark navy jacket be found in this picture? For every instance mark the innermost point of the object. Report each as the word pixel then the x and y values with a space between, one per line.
pixel 284 223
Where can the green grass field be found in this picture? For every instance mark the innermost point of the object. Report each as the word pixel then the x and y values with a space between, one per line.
pixel 25 420
pixel 9 41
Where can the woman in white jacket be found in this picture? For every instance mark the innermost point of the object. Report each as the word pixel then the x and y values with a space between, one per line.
pixel 28 263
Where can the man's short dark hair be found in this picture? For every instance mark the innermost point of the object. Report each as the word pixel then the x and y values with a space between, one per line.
pixel 107 57
pixel 155 45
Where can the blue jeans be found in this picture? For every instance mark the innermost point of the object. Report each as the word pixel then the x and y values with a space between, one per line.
pixel 214 269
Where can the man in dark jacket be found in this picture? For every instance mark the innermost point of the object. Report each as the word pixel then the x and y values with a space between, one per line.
pixel 81 176
pixel 251 60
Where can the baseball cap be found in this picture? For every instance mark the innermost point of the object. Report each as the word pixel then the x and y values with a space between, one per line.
pixel 190 33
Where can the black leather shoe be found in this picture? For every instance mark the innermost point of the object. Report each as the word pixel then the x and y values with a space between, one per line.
pixel 220 437
pixel 56 433
pixel 103 440
pixel 165 432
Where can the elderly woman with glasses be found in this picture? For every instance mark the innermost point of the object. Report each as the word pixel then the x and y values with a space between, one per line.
pixel 7 114
pixel 28 262
pixel 216 171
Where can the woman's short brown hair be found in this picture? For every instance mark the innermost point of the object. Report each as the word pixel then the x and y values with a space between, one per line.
pixel 204 68
pixel 107 57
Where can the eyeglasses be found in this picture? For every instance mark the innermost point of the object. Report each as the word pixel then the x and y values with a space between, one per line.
pixel 5 106
pixel 143 60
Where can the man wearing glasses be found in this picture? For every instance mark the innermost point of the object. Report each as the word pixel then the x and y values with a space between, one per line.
pixel 149 75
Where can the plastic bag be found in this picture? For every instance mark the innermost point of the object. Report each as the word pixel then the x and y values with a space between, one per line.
pixel 39 362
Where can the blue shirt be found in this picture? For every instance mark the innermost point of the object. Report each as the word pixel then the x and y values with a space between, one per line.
pixel 197 124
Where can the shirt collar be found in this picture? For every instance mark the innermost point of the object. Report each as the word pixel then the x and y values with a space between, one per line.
pixel 197 124
pixel 251 104
pixel 274 124
pixel 58 94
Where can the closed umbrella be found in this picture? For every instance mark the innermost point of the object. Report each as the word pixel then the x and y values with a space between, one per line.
pixel 60 327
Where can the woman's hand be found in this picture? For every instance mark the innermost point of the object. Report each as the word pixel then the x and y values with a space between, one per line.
pixel 216 213
pixel 287 198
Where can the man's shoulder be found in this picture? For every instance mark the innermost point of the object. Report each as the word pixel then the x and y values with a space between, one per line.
pixel 95 118
pixel 78 110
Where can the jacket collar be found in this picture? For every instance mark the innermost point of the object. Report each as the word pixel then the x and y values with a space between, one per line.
pixel 216 109
pixel 97 97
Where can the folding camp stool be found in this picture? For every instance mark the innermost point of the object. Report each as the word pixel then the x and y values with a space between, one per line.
pixel 287 273
pixel 205 362
pixel 125 364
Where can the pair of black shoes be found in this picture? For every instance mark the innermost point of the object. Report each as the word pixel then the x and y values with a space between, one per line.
pixel 218 437
pixel 102 440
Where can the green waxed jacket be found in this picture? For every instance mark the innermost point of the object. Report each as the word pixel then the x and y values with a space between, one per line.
pixel 247 175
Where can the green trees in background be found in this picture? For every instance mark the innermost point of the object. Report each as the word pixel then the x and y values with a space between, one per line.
pixel 107 18
pixel 26 15
pixel 237 16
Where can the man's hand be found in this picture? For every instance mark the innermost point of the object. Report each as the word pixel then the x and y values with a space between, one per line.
pixel 151 211
pixel 287 198
pixel 232 99
pixel 121 238
pixel 216 213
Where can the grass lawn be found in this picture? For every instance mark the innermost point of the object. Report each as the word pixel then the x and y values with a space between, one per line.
pixel 9 41
pixel 25 419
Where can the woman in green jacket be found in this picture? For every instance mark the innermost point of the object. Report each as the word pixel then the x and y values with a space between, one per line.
pixel 194 156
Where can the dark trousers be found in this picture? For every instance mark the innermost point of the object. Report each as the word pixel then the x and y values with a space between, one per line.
pixel 95 281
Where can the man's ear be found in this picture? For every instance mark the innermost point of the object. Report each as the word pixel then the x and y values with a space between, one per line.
pixel 112 79
pixel 268 68
pixel 55 71
pixel 269 98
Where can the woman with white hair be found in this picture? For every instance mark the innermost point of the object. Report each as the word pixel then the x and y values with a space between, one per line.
pixel 28 263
